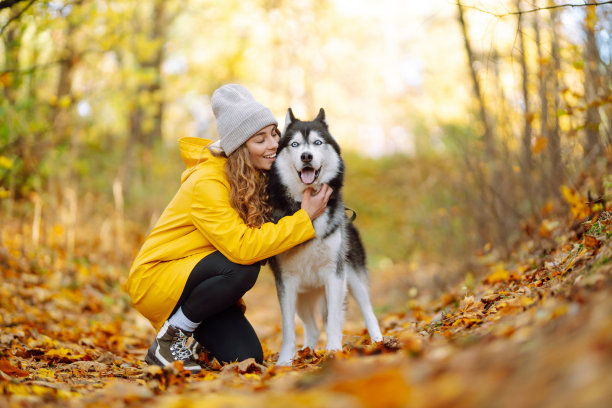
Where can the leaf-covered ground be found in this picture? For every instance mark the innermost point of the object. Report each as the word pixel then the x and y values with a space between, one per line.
pixel 532 332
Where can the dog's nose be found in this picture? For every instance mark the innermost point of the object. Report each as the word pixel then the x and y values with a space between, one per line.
pixel 306 157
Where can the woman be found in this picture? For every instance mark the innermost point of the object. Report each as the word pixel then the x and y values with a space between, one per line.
pixel 204 252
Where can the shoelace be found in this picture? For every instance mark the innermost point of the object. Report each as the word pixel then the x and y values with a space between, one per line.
pixel 179 347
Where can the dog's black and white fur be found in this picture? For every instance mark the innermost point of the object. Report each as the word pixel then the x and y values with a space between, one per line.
pixel 318 271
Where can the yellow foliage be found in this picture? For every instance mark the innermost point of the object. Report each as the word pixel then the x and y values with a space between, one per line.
pixel 6 163
pixel 6 79
pixel 24 390
pixel 560 310
pixel 49 342
pixel 539 145
pixel 466 322
pixel 500 274
pixel 46 373
pixel 209 376
pixel 64 353
pixel 58 230
pixel 578 204
pixel 64 101
pixel 385 388
pixel 526 301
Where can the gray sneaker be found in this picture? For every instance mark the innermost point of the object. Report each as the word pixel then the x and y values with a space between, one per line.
pixel 171 345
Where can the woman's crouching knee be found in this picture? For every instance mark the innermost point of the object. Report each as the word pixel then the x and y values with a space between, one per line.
pixel 245 276
pixel 255 351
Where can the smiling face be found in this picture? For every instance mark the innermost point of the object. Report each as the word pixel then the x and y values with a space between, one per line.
pixel 308 156
pixel 262 147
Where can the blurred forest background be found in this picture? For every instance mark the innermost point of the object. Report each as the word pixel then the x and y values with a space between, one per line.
pixel 462 123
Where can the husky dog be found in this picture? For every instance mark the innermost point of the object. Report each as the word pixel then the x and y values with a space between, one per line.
pixel 308 156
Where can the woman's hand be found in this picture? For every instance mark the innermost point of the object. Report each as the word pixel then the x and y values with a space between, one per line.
pixel 315 204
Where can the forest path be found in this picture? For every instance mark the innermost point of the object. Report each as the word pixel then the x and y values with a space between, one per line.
pixel 536 331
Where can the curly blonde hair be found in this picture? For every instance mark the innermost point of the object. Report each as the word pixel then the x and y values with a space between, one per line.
pixel 248 188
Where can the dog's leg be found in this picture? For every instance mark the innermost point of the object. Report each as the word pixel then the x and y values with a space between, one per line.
pixel 359 288
pixel 335 292
pixel 287 293
pixel 324 310
pixel 306 307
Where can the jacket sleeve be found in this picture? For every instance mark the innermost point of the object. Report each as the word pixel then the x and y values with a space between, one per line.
pixel 215 218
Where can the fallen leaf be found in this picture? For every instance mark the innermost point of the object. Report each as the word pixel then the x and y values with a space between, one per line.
pixel 499 275
pixel 591 242
pixel 248 366
pixel 46 373
pixel 7 368
pixel 385 387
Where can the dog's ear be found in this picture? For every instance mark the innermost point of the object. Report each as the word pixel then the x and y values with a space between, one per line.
pixel 289 119
pixel 321 118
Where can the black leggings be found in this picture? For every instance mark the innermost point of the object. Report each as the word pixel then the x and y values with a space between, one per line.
pixel 210 296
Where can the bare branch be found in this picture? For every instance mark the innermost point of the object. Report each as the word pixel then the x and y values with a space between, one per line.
pixel 8 3
pixel 33 68
pixel 16 16
pixel 50 64
pixel 514 13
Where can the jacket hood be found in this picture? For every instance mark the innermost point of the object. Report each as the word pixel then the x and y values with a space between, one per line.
pixel 194 152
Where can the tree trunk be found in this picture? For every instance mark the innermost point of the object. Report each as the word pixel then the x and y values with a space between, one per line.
pixel 64 136
pixel 527 159
pixel 144 134
pixel 487 134
pixel 592 83
pixel 544 77
pixel 146 118
pixel 487 198
pixel 14 141
pixel 60 115
pixel 11 38
pixel 504 175
pixel 555 170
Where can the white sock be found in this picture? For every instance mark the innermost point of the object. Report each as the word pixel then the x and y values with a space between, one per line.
pixel 181 321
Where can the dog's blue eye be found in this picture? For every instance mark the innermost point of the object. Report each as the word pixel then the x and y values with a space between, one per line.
pixel 318 142
pixel 295 144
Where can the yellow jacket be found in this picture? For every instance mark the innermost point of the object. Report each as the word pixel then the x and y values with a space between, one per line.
pixel 198 221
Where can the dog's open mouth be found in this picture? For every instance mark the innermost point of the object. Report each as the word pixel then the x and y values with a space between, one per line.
pixel 308 175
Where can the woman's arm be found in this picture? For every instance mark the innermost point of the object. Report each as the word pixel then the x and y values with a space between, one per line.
pixel 214 217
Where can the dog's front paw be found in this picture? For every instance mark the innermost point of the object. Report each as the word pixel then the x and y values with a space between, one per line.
pixel 285 358
pixel 284 363
pixel 333 347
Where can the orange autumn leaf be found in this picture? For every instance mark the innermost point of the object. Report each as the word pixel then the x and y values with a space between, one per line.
pixel 63 354
pixel 578 204
pixel 419 314
pixel 467 322
pixel 539 145
pixel 499 275
pixel 591 242
pixel 46 373
pixel 385 388
pixel 7 368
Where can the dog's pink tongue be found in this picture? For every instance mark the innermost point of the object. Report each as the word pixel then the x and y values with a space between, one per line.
pixel 307 176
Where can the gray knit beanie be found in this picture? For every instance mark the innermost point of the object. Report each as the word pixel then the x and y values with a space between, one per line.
pixel 239 116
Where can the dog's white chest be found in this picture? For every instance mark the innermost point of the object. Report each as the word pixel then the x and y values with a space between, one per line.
pixel 311 262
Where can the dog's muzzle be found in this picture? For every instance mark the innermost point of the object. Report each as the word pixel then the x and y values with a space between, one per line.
pixel 308 175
